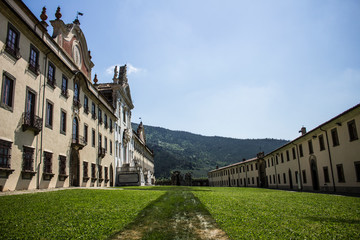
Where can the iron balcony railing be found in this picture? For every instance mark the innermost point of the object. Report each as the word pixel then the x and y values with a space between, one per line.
pixel 32 122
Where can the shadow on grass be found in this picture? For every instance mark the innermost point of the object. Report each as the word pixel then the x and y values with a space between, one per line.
pixel 333 219
pixel 177 214
pixel 168 188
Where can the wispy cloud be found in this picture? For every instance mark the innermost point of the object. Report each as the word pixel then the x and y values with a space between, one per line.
pixel 130 69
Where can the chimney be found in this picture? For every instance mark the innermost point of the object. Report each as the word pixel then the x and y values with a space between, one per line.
pixel 303 131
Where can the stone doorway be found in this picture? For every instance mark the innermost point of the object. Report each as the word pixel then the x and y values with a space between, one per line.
pixel 74 168
pixel 314 173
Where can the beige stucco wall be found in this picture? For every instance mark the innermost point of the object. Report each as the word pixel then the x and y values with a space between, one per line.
pixel 49 139
pixel 346 153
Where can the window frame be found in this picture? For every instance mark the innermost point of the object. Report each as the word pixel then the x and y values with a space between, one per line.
pixel 49 119
pixel 353 136
pixel 64 86
pixel 51 80
pixel 15 50
pixel 5 91
pixel 321 142
pixel 33 64
pixel 5 153
pixel 62 122
pixel 335 137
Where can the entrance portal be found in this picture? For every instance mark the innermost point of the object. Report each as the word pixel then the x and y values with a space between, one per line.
pixel 74 168
pixel 314 173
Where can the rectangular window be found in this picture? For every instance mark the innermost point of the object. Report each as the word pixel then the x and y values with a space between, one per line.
pixel 47 162
pixel 335 137
pixel 277 159
pixel 86 104
pixel 93 111
pixel 28 159
pixel 51 75
pixel 106 173
pixel 100 171
pixel 86 133
pixel 279 180
pixel 304 176
pixel 326 174
pixel 64 86
pixel 5 153
pixel 301 150
pixel 111 125
pixel 296 177
pixel 268 162
pixel 93 138
pixel 63 122
pixel 62 165
pixel 49 114
pixel 311 150
pixel 256 166
pixel 287 155
pixel 85 170
pixel 7 92
pixel 321 142
pixel 12 42
pixel 352 130
pixel 100 139
pixel 100 116
pixel 93 171
pixel 124 116
pixel 357 170
pixel 294 153
pixel 110 143
pixel 105 143
pixel 284 176
pixel 340 172
pixel 274 178
pixel 282 158
pixel 251 167
pixel 34 60
pixel 105 121
pixel 272 161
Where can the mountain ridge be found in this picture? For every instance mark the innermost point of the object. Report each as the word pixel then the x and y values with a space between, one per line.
pixel 198 154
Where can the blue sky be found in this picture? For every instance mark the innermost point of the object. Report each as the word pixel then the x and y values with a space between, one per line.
pixel 242 69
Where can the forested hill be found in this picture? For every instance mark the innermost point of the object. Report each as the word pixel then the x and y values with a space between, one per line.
pixel 188 152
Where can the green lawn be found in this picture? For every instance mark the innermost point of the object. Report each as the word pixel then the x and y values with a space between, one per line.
pixel 243 213
pixel 84 214
pixel 246 213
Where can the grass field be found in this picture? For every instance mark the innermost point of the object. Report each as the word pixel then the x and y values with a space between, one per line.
pixel 179 213
pixel 248 213
pixel 82 214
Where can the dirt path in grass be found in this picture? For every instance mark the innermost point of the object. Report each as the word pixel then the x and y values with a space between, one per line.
pixel 175 215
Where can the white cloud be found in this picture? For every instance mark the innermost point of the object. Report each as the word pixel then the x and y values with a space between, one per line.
pixel 130 69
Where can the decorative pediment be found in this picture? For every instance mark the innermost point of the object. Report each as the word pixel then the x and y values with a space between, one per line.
pixel 72 40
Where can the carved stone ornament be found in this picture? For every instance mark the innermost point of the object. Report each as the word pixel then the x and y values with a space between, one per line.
pixel 58 14
pixel 95 79
pixel 43 15
pixel 126 137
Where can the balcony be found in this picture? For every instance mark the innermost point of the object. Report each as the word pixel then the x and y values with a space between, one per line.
pixel 64 92
pixel 76 103
pixel 13 51
pixel 32 122
pixel 102 152
pixel 78 142
pixel 34 68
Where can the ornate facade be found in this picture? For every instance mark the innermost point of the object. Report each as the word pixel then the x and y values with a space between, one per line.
pixel 129 171
pixel 56 128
